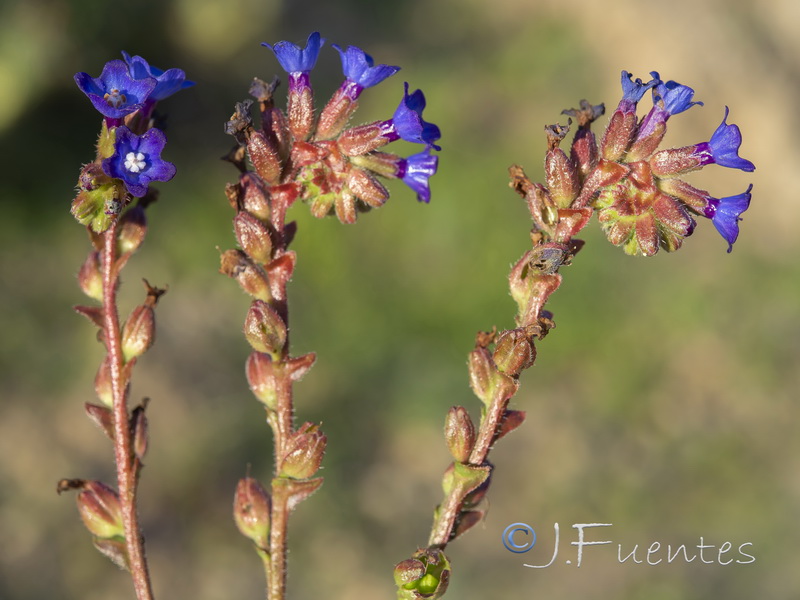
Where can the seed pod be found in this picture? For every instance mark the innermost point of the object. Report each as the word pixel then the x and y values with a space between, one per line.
pixel 251 511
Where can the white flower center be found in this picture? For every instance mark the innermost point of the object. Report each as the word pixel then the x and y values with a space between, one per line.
pixel 134 162
pixel 115 98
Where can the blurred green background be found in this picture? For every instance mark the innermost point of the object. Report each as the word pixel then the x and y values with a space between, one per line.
pixel 664 402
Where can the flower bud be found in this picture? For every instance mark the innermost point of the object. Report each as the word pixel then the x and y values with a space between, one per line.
pixel 250 277
pixel 139 330
pixel 92 176
pixel 367 188
pixel 102 383
pixel 459 432
pixel 481 372
pixel 264 329
pixel 513 352
pixel 132 229
pixel 304 452
pixel 265 156
pixel 254 196
pixel 253 237
pixel 100 510
pixel 90 277
pixel 561 174
pixel 251 511
pixel 261 377
pixel 425 575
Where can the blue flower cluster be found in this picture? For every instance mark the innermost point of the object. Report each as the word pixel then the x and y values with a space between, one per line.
pixel 360 143
pixel 125 90
pixel 641 202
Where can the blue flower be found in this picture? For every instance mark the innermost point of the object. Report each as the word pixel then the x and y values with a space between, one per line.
pixel 632 91
pixel 727 215
pixel 676 97
pixel 416 170
pixel 724 147
pixel 115 93
pixel 137 160
pixel 358 67
pixel 408 124
pixel 293 59
pixel 167 82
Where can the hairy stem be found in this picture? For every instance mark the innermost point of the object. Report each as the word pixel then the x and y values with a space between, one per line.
pixel 127 466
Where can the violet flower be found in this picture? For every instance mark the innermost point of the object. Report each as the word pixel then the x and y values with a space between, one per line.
pixel 632 91
pixel 723 148
pixel 416 170
pixel 670 98
pixel 360 72
pixel 115 93
pixel 726 215
pixel 137 160
pixel 296 61
pixel 407 122
pixel 167 82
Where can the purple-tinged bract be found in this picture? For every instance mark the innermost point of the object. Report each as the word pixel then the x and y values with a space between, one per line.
pixel 115 93
pixel 294 59
pixel 727 216
pixel 168 82
pixel 359 68
pixel 137 160
pixel 408 121
pixel 416 170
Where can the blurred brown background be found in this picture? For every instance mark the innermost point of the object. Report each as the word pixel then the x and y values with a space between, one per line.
pixel 664 402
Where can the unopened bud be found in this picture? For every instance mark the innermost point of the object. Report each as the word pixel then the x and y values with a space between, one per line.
pixel 251 511
pixel 255 195
pixel 425 575
pixel 264 329
pixel 459 432
pixel 481 372
pixel 304 452
pixel 100 510
pixel 514 352
pixel 90 277
pixel 250 277
pixel 138 333
pixel 265 156
pixel 367 188
pixel 253 237
pixel 132 230
pixel 562 177
pixel 261 377
pixel 102 383
pixel 92 176
pixel 362 139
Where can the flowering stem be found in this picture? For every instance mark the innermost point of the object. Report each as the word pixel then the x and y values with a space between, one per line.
pixel 127 465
